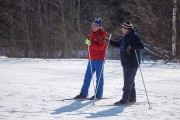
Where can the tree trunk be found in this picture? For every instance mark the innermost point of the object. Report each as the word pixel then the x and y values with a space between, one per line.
pixel 174 28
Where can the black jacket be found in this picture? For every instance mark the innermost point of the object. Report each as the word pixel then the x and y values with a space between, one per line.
pixel 131 39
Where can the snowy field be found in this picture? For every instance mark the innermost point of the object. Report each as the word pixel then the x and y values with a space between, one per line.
pixel 33 89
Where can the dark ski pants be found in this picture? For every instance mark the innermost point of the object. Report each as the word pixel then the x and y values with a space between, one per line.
pixel 129 84
pixel 96 67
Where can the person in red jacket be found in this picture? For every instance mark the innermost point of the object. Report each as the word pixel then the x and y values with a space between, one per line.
pixel 96 53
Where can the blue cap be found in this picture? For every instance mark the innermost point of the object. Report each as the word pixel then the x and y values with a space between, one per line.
pixel 98 22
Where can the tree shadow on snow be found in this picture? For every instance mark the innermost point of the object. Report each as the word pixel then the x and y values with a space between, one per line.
pixel 72 107
pixel 114 111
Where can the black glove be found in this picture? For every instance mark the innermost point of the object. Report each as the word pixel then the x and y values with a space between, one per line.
pixel 104 38
pixel 128 50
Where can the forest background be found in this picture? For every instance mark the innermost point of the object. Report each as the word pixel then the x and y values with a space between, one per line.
pixel 57 28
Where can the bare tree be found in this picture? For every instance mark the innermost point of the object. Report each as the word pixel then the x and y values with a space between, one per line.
pixel 174 28
pixel 57 28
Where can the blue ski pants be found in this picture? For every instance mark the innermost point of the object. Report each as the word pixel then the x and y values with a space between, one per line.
pixel 96 67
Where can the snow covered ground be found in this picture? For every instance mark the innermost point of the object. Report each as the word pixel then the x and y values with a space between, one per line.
pixel 32 89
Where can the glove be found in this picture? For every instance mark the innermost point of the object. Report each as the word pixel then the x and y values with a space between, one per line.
pixel 104 38
pixel 87 41
pixel 128 50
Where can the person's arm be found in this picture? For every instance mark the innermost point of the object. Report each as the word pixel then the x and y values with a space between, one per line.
pixel 136 43
pixel 115 43
pixel 99 43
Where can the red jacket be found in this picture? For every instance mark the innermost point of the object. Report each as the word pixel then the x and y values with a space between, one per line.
pixel 97 48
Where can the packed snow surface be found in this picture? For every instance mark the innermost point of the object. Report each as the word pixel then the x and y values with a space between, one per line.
pixel 34 89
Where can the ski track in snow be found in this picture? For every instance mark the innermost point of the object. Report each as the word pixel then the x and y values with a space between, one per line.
pixel 32 89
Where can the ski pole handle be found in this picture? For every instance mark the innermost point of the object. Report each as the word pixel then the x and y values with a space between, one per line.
pixel 108 42
pixel 110 37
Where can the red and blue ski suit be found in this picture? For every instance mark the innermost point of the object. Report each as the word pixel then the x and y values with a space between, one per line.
pixel 96 55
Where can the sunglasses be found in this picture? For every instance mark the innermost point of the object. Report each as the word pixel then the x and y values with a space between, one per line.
pixel 94 25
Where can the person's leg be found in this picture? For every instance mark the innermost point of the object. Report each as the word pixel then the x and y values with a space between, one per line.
pixel 99 77
pixel 87 79
pixel 133 91
pixel 129 84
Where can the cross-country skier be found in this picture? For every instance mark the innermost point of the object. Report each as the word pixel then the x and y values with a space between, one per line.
pixel 96 52
pixel 130 45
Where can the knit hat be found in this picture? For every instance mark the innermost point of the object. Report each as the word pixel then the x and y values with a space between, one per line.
pixel 98 22
pixel 127 25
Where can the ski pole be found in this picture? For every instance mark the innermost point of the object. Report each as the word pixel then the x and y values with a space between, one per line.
pixel 142 79
pixel 91 69
pixel 102 68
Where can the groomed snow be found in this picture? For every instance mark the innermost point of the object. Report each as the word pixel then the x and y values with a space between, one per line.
pixel 32 89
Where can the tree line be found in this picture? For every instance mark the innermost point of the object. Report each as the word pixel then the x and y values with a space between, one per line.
pixel 57 28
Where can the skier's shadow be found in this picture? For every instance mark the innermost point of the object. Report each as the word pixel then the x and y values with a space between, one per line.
pixel 114 111
pixel 72 107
